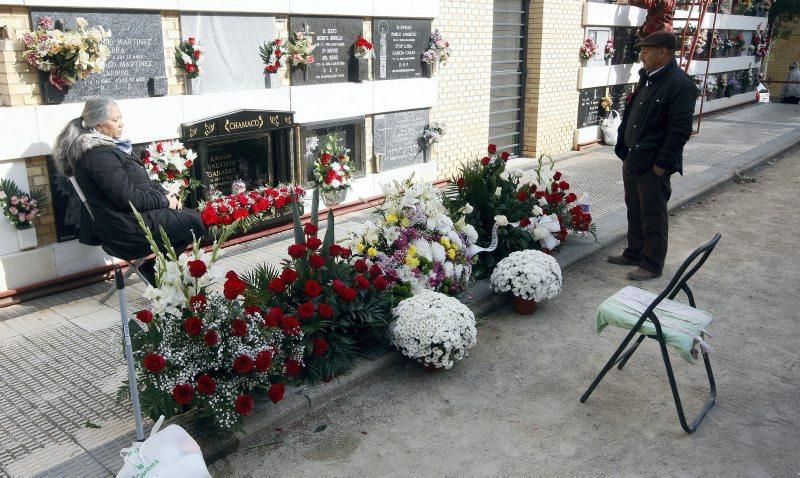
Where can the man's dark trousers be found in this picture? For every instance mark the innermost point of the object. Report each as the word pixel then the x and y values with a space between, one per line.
pixel 646 197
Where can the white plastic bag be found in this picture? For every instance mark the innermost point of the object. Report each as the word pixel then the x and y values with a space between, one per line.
pixel 609 126
pixel 169 453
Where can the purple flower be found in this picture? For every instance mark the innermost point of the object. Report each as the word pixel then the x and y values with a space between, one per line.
pixel 46 23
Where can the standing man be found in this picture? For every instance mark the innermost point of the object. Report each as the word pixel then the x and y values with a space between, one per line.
pixel 791 90
pixel 655 127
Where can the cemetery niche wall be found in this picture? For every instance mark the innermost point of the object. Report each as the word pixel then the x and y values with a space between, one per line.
pixel 136 66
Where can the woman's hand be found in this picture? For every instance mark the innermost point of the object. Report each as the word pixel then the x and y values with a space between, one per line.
pixel 174 202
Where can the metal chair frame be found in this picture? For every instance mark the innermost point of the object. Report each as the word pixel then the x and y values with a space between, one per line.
pixel 677 284
pixel 133 264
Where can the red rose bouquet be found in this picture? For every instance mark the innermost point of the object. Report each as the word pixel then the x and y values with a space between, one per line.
pixel 362 48
pixel 188 57
pixel 272 54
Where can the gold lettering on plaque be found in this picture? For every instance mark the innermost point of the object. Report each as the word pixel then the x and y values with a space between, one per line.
pixel 287 119
pixel 192 132
pixel 209 128
pixel 231 126
pixel 274 120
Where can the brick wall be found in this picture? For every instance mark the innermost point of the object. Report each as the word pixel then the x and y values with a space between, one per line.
pixel 463 105
pixel 19 82
pixel 171 30
pixel 38 178
pixel 784 51
pixel 551 96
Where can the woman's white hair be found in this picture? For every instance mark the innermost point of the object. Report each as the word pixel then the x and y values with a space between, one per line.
pixel 79 135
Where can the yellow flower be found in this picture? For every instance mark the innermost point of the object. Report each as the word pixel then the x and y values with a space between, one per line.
pixel 412 250
pixel 445 242
pixel 405 222
pixel 391 218
pixel 360 247
pixel 412 261
pixel 454 245
pixel 372 252
pixel 451 253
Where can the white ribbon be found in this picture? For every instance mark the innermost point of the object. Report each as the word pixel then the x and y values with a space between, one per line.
pixel 542 229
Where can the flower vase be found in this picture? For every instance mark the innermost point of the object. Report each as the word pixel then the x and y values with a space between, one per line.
pixel 50 94
pixel 608 61
pixel 524 306
pixel 428 69
pixel 359 70
pixel 584 61
pixel 191 86
pixel 334 198
pixel 27 238
pixel 429 153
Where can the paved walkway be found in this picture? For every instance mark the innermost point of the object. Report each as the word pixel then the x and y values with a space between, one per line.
pixel 60 360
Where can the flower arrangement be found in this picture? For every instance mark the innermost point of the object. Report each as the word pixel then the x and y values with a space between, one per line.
pixel 416 243
pixel 701 41
pixel 738 40
pixel 332 171
pixel 170 163
pixel 588 50
pixel 433 329
pixel 19 207
pixel 438 50
pixel 341 308
pixel 732 86
pixel 200 349
pixel 606 103
pixel 484 189
pixel 248 207
pixel 609 50
pixel 433 133
pixel 531 275
pixel 761 42
pixel 188 57
pixel 362 48
pixel 556 199
pixel 272 55
pixel 68 56
pixel 301 47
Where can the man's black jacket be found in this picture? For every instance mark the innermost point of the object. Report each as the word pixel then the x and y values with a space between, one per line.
pixel 664 121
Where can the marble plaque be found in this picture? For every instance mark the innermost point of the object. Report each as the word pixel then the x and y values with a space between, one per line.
pixel 398 137
pixel 334 38
pixel 137 53
pixel 599 36
pixel 230 43
pixel 619 96
pixel 624 52
pixel 589 106
pixel 399 43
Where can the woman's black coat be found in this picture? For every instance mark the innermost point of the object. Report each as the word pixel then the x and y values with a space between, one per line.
pixel 112 181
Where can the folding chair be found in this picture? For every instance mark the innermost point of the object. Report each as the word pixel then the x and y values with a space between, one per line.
pixel 133 265
pixel 680 326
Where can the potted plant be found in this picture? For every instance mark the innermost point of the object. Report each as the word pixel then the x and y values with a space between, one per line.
pixel 272 54
pixel 433 329
pixel 72 55
pixel 437 53
pixel 531 276
pixel 430 136
pixel 300 50
pixel 332 172
pixel 21 208
pixel 363 51
pixel 588 51
pixel 188 57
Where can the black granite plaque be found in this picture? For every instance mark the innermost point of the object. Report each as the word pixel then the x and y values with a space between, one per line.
pixel 348 135
pixel 398 137
pixel 135 68
pixel 589 106
pixel 334 38
pixel 619 96
pixel 244 159
pixel 238 122
pixel 65 203
pixel 624 52
pixel 399 43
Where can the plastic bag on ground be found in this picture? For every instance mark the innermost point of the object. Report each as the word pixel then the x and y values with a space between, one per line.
pixel 170 452
pixel 609 126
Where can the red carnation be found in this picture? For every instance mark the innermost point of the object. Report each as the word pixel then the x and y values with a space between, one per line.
pixel 290 325
pixel 563 185
pixel 193 326
pixel 320 346
pixel 233 287
pixel 239 327
pixel 209 216
pixel 276 391
pixel 361 266
pixel 325 311
pixel 310 229
pixel 190 68
pixel 522 196
pixel 338 284
pixel 154 363
pixel 160 147
pixel 505 156
pixel 492 148
pixel 362 282
pixel 312 288
pixel 380 283
pixel 197 302
pixel 277 286
pixel 243 364
pixel 197 54
pixel 375 271
pixel 183 393
pixel 244 404
pixel 348 294
pixel 460 182
pixel 557 175
pixel 316 261
pixel 144 316
pixel 571 197
pixel 297 250
pixel 485 160
pixel 325 158
pixel 273 317
pixel 524 222
pixel 345 253
pixel 253 310
pixel 264 360
pixel 334 250
pixel 292 367
pixel 305 310
pixel 288 275
pixel 190 41
pixel 206 384
pixel 211 338
pixel 313 243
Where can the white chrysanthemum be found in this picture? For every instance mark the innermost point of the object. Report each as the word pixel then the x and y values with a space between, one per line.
pixel 424 249
pixel 528 274
pixel 471 233
pixel 438 252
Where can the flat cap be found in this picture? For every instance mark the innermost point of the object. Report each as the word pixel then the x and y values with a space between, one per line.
pixel 659 39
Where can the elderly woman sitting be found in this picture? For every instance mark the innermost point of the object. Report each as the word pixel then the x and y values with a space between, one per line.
pixel 91 148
